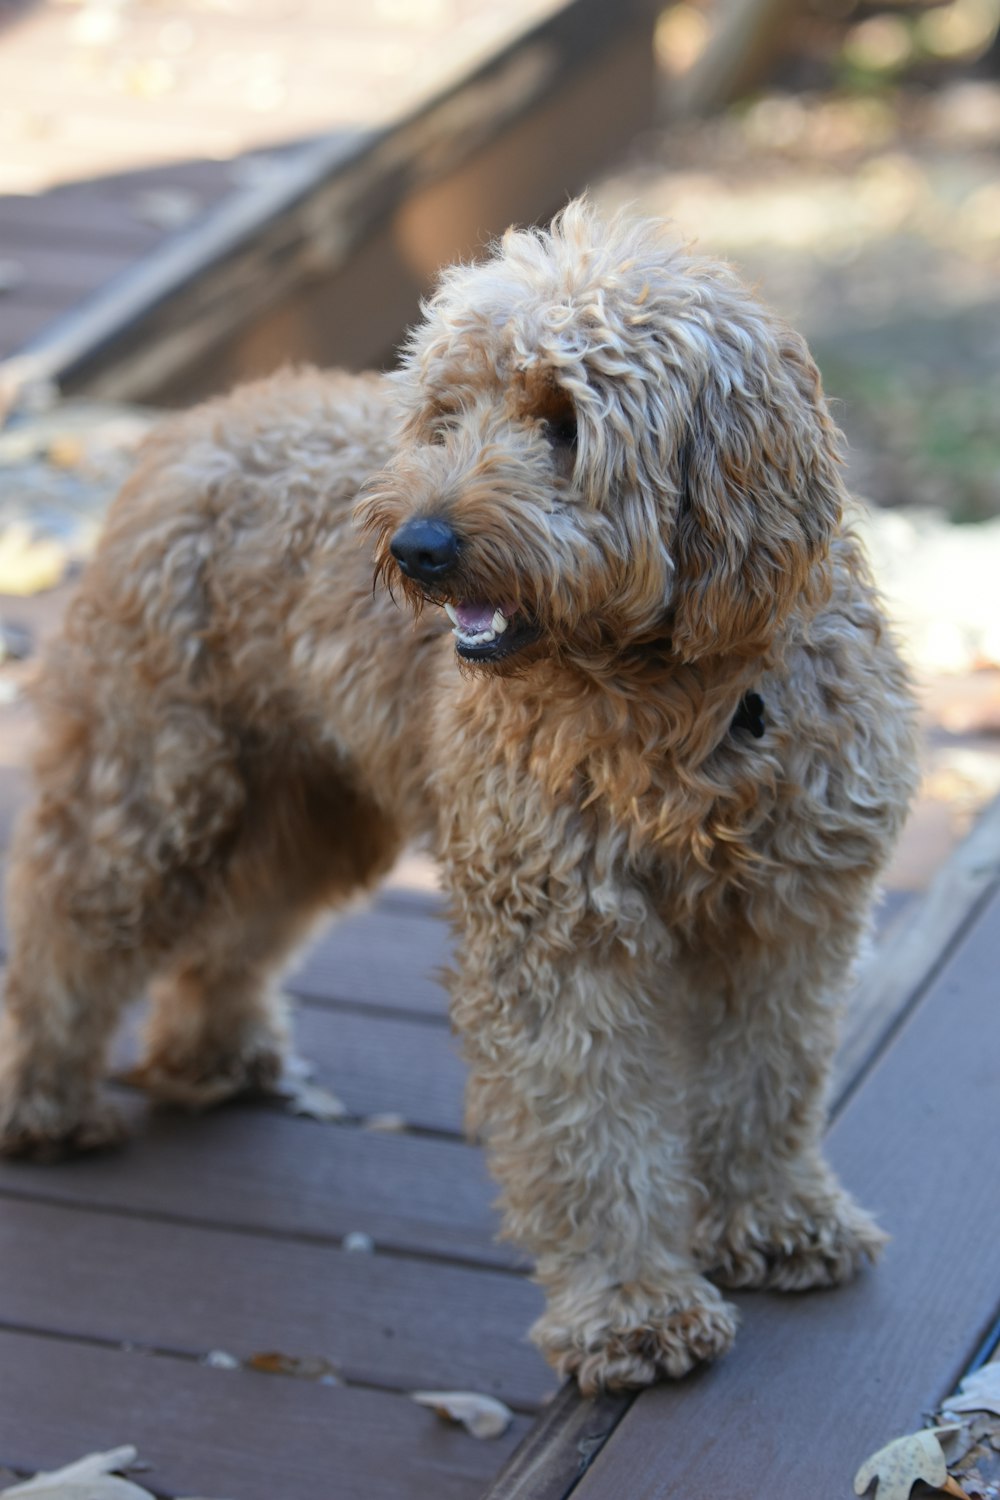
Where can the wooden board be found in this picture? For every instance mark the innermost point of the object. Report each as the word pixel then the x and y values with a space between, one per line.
pixel 919 947
pixel 253 1168
pixel 818 1382
pixel 560 1446
pixel 386 1067
pixel 51 217
pixel 231 1433
pixel 381 1320
pixel 389 958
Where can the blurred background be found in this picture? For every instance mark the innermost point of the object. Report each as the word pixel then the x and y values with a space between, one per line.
pixel 194 192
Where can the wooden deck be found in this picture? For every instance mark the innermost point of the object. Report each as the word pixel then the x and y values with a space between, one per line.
pixel 126 1276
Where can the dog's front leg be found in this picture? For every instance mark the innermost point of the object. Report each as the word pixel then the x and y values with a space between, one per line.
pixel 764 1026
pixel 574 1084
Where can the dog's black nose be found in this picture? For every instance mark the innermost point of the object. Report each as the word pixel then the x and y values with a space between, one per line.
pixel 425 548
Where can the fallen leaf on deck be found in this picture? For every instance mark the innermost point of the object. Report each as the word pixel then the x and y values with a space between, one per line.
pixel 483 1416
pixel 899 1465
pixel 978 1392
pixel 315 1102
pixel 310 1367
pixel 90 1478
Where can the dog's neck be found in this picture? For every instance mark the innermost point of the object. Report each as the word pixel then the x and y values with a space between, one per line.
pixel 643 704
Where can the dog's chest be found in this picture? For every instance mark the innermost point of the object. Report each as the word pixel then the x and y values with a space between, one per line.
pixel 536 814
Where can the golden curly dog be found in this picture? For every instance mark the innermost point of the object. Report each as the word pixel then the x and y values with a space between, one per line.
pixel 658 732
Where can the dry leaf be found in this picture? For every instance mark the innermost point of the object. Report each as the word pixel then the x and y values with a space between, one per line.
pixel 979 1391
pixel 899 1465
pixel 90 1478
pixel 272 1362
pixel 315 1102
pixel 483 1416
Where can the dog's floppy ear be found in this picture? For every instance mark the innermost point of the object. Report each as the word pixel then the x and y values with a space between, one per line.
pixel 759 495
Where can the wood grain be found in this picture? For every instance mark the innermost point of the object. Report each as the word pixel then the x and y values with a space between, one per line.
pixel 231 1433
pixel 915 951
pixel 250 1167
pixel 561 1445
pixel 387 957
pixel 381 1320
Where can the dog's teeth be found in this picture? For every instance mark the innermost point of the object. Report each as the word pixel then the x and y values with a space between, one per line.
pixel 481 638
pixel 449 610
pixel 499 622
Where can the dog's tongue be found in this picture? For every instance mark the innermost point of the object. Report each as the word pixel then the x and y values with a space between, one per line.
pixel 475 618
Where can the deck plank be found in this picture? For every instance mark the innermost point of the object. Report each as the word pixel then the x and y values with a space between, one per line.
pixel 819 1381
pixel 231 1433
pixel 381 1320
pixel 380 957
pixel 253 1168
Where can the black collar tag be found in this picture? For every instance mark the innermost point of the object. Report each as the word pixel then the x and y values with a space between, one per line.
pixel 750 715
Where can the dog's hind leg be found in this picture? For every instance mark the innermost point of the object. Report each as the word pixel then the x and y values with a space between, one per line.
pixel 137 798
pixel 107 869
pixel 218 1025
pixel 63 998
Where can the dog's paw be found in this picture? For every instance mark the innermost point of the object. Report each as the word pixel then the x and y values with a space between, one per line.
pixel 197 1082
pixel 41 1128
pixel 791 1245
pixel 629 1340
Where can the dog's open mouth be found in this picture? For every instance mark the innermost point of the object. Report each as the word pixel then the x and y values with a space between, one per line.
pixel 488 632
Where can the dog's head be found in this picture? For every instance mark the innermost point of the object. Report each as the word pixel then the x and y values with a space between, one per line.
pixel 607 441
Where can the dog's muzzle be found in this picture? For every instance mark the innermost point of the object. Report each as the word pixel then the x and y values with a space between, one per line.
pixel 426 549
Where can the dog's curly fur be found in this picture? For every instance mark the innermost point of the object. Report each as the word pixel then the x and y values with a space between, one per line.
pixel 657 911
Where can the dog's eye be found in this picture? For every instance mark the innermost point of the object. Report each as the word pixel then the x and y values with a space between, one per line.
pixel 561 432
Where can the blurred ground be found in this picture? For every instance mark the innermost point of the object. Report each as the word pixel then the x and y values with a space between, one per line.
pixel 89 87
pixel 874 225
